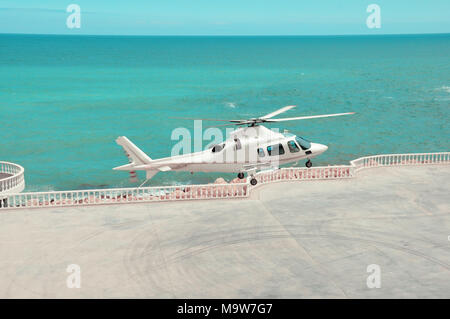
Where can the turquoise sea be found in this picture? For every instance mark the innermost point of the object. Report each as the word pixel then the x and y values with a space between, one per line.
pixel 64 99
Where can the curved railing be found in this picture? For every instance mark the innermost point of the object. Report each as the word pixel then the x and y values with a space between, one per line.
pixel 125 195
pixel 12 178
pixel 400 160
pixel 349 171
pixel 214 191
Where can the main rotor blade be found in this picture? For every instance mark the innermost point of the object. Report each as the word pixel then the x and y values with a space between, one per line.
pixel 189 118
pixel 282 110
pixel 231 124
pixel 306 117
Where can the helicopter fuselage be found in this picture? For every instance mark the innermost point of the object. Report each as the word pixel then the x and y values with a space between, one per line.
pixel 247 148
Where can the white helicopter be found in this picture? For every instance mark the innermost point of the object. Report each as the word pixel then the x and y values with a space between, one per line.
pixel 247 150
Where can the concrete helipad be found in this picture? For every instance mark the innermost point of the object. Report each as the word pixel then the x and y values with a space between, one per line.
pixel 294 240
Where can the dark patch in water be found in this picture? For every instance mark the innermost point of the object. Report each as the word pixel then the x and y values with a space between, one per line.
pixel 90 186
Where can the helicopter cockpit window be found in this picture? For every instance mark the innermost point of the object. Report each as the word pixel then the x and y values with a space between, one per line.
pixel 304 144
pixel 261 152
pixel 217 148
pixel 293 147
pixel 274 150
pixel 238 145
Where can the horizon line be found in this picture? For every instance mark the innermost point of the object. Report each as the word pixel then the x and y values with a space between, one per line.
pixel 226 35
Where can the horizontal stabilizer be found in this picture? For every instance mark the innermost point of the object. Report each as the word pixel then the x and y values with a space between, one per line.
pixel 134 153
pixel 126 167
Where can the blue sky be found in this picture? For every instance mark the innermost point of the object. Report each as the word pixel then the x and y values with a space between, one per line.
pixel 224 17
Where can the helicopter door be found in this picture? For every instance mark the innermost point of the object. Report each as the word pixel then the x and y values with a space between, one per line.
pixel 240 153
pixel 275 150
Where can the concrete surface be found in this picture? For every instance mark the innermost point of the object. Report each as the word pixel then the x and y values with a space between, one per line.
pixel 295 240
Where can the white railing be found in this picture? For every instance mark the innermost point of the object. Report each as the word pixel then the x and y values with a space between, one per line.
pixel 125 195
pixel 400 160
pixel 297 173
pixel 349 171
pixel 14 182
pixel 213 191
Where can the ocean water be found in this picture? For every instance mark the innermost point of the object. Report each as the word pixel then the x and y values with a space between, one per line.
pixel 64 99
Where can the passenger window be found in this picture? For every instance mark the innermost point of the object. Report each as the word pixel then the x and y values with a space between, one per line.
pixel 274 150
pixel 217 148
pixel 261 152
pixel 293 147
pixel 238 143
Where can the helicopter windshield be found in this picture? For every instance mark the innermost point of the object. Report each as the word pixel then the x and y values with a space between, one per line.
pixel 304 144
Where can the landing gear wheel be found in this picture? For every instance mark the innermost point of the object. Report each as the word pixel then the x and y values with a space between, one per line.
pixel 253 181
pixel 241 175
pixel 308 164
